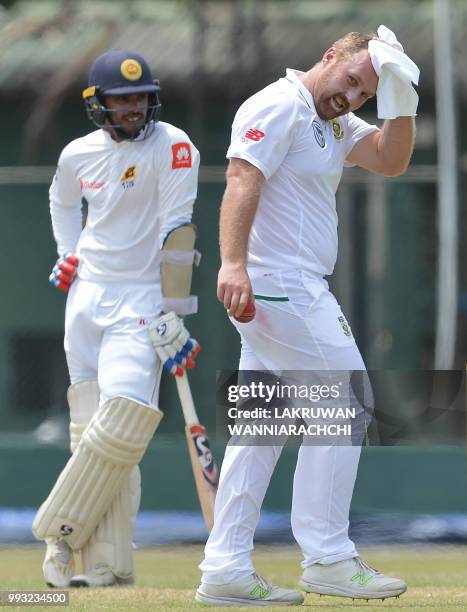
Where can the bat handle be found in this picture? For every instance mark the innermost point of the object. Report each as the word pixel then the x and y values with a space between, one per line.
pixel 186 399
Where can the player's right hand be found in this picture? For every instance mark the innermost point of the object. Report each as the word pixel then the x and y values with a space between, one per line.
pixel 64 271
pixel 173 344
pixel 234 288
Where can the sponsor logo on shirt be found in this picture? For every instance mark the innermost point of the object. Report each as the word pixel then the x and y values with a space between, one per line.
pixel 181 155
pixel 84 184
pixel 128 177
pixel 337 129
pixel 253 134
pixel 318 132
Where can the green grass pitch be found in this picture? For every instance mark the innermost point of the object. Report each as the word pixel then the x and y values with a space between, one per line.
pixel 168 576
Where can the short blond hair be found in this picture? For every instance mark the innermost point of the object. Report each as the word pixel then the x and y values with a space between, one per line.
pixel 352 43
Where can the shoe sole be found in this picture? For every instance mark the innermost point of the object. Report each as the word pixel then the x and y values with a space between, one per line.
pixel 238 601
pixel 78 584
pixel 323 589
pixel 81 583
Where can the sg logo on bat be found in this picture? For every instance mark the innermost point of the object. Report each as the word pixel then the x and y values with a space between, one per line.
pixel 205 456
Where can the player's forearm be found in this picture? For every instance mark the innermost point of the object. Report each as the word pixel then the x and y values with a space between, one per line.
pixel 238 211
pixel 396 144
pixel 237 214
pixel 66 225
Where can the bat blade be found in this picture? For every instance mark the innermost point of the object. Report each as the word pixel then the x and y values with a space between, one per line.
pixel 204 469
pixel 202 461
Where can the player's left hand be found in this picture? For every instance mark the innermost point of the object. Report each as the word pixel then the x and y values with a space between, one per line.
pixel 173 344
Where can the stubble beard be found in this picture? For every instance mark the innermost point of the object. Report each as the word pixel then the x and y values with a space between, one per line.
pixel 131 130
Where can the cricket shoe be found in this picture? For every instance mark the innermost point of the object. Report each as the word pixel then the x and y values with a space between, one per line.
pixel 350 578
pixel 251 591
pixel 101 575
pixel 59 563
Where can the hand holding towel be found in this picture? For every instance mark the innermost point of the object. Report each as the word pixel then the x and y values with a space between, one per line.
pixel 395 94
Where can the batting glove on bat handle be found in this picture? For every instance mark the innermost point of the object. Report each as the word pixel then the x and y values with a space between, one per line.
pixel 64 271
pixel 173 344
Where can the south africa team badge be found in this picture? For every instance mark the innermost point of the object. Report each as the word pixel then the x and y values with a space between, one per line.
pixel 337 129
pixel 345 326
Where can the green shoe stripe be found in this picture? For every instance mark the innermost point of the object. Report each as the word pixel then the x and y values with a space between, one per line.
pixel 271 298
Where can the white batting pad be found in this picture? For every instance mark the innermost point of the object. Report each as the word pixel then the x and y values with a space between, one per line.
pixel 112 541
pixel 83 400
pixel 111 445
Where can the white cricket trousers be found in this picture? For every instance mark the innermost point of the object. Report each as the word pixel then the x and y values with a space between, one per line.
pixel 107 338
pixel 303 328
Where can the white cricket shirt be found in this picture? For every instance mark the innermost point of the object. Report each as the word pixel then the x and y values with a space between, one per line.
pixel 136 193
pixel 302 157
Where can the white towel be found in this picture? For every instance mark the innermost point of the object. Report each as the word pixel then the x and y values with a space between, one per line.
pixel 396 71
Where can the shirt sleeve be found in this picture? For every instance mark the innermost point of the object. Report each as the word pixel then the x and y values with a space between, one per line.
pixel 263 130
pixel 65 205
pixel 356 130
pixel 178 182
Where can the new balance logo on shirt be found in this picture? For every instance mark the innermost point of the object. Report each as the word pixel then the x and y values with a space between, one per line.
pixel 254 135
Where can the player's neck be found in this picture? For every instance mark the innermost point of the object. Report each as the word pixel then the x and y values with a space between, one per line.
pixel 121 137
pixel 309 78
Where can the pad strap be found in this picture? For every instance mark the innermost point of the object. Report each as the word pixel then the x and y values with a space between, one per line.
pixel 181 258
pixel 181 306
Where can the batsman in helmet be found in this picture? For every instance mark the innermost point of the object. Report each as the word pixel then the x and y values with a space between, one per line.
pixel 126 293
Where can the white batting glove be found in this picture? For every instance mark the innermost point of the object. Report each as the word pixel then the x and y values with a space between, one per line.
pixel 173 344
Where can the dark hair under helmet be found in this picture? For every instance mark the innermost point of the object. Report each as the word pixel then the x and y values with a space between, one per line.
pixel 120 72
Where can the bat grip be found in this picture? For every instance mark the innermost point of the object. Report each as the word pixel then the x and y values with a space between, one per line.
pixel 186 399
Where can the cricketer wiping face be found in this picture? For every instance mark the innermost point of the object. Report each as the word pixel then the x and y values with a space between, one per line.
pixel 278 235
pixel 138 177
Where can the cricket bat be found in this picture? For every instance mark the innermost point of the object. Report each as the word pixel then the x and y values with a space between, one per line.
pixel 202 460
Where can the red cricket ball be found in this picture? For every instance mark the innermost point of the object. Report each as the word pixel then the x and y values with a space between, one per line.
pixel 248 314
